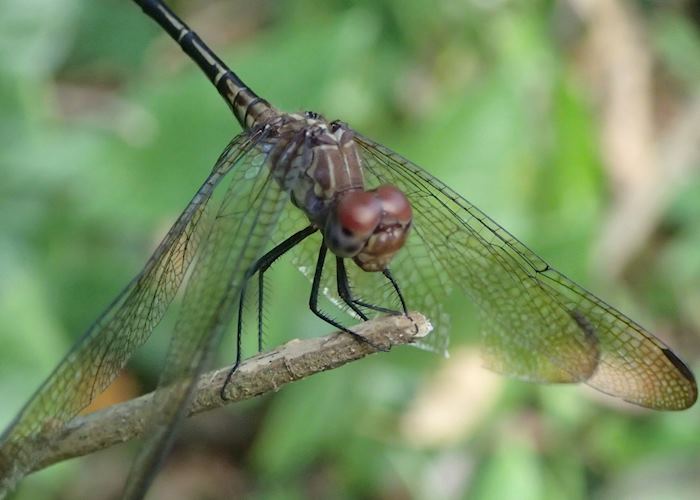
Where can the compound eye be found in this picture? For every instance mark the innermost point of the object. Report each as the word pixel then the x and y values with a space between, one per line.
pixel 394 203
pixel 359 213
pixel 356 217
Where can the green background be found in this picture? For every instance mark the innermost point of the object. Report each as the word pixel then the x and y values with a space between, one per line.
pixel 106 130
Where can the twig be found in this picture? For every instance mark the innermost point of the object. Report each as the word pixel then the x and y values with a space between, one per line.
pixel 258 375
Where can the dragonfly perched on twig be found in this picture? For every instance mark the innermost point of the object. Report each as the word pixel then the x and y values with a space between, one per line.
pixel 303 185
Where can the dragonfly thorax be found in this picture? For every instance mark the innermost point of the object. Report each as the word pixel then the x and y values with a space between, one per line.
pixel 319 163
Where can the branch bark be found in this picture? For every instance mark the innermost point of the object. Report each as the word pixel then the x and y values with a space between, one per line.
pixel 258 375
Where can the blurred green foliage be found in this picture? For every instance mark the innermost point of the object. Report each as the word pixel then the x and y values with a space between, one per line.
pixel 106 130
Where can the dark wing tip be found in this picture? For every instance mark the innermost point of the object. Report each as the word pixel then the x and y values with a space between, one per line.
pixel 686 373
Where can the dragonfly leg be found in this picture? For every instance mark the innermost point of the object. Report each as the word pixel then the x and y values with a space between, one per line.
pixel 261 289
pixel 346 294
pixel 260 266
pixel 393 282
pixel 348 299
pixel 344 288
pixel 313 302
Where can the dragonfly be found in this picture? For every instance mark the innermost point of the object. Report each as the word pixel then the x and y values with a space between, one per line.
pixel 299 186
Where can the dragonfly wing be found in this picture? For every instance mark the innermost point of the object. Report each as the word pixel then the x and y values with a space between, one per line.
pixel 537 324
pixel 245 219
pixel 98 356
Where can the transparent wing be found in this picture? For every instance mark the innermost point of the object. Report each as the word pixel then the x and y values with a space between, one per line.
pixel 241 229
pixel 538 324
pixel 96 358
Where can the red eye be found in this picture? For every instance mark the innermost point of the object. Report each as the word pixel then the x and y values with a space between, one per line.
pixel 394 203
pixel 359 212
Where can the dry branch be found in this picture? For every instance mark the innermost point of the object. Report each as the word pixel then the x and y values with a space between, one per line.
pixel 258 375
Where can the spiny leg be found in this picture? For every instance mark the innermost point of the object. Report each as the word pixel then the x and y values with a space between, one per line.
pixel 261 285
pixel 313 301
pixel 346 293
pixel 260 266
pixel 393 282
pixel 344 288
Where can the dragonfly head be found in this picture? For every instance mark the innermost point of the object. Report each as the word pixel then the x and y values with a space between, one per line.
pixel 369 226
